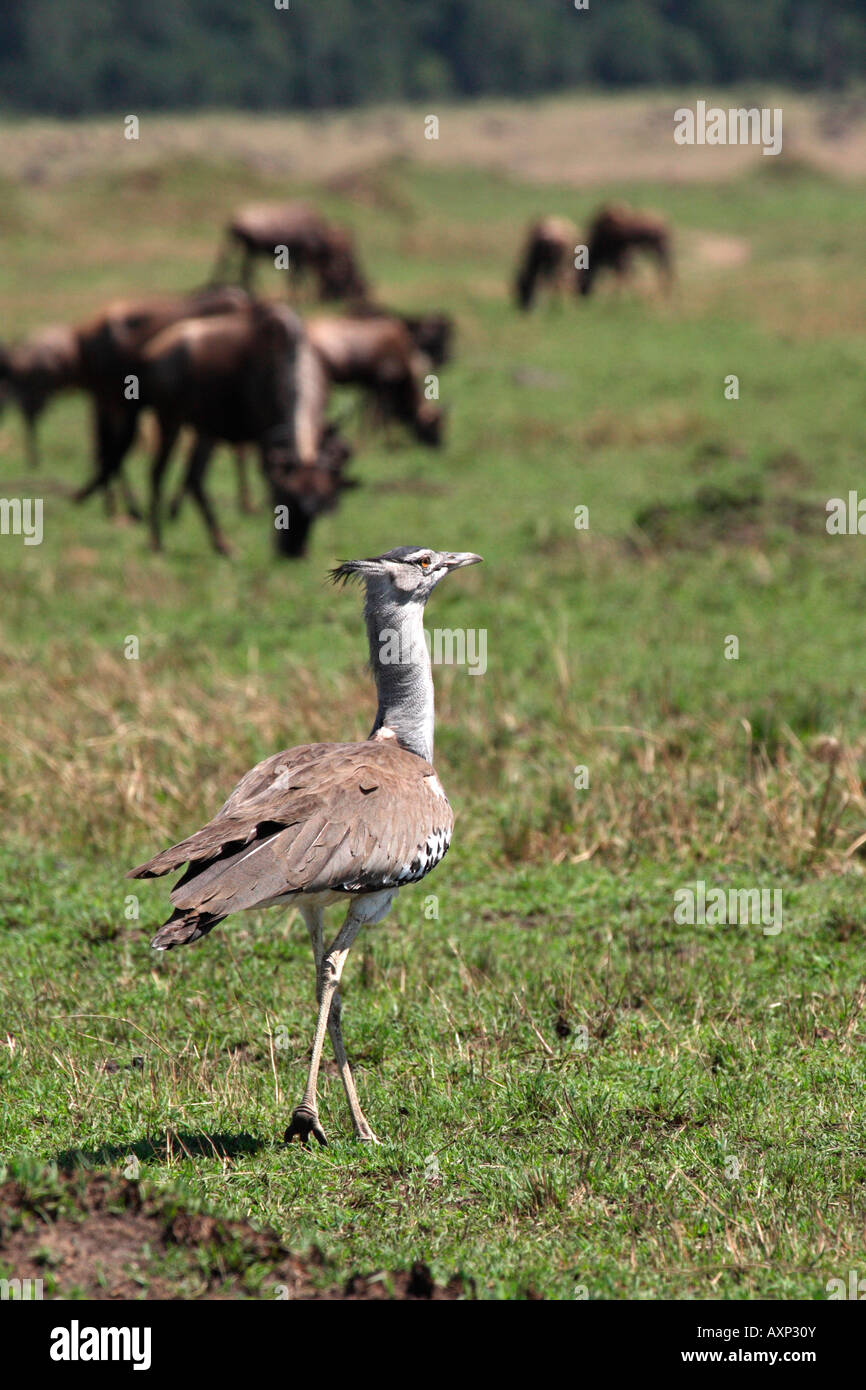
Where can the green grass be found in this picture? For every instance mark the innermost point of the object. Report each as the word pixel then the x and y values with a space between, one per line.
pixel 561 1073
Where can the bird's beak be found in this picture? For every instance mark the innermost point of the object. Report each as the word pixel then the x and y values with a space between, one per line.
pixel 456 562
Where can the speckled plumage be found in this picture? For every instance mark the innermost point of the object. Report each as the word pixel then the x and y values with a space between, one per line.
pixel 335 818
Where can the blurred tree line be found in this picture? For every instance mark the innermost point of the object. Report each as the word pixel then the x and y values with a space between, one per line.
pixel 71 57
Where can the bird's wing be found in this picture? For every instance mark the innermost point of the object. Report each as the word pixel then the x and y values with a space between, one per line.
pixel 342 817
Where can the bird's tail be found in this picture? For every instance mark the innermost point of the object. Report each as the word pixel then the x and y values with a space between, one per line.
pixel 183 927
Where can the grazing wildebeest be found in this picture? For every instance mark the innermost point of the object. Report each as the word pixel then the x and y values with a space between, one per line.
pixel 34 371
pixel 432 334
pixel 616 233
pixel 312 243
pixel 379 355
pixel 548 257
pixel 109 346
pixel 246 377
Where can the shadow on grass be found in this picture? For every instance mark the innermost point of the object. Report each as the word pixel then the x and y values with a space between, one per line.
pixel 172 1145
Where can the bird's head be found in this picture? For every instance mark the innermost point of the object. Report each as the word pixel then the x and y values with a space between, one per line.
pixel 408 574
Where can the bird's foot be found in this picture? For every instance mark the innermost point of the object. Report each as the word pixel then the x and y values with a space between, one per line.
pixel 305 1121
pixel 365 1135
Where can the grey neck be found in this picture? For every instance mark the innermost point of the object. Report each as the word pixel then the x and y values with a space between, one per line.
pixel 401 668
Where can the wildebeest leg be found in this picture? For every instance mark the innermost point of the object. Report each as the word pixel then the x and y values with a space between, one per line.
pixel 221 265
pixel 199 458
pixel 583 278
pixel 245 500
pixel 295 279
pixel 176 502
pixel 377 413
pixel 114 430
pixel 246 269
pixel 29 442
pixel 624 265
pixel 31 450
pixel 400 400
pixel 666 269
pixel 133 510
pixel 565 273
pixel 168 432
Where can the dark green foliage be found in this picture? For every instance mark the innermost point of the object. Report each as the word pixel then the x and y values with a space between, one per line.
pixel 103 55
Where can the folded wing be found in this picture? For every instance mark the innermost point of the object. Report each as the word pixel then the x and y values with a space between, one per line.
pixel 338 817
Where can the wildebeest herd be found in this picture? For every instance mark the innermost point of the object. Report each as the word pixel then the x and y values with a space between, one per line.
pixel 237 369
pixel 555 256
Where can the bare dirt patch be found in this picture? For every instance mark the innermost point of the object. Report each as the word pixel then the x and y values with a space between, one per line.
pixel 722 252
pixel 103 1237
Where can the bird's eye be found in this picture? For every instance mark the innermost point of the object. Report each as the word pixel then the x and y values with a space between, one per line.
pixel 424 562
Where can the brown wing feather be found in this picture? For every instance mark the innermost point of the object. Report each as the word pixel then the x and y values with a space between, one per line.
pixel 254 800
pixel 338 817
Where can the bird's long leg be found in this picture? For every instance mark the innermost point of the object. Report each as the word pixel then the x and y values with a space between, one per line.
pixel 305 1117
pixel 313 916
pixel 335 1028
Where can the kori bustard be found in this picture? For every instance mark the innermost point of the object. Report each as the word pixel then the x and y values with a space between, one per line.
pixel 327 821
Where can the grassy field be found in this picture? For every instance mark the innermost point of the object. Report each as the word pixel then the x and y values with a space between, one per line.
pixel 579 1096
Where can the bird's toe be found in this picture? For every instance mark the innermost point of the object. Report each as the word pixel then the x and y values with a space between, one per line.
pixel 304 1123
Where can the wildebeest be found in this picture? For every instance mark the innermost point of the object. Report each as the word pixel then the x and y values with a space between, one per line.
pixel 432 334
pixel 547 257
pixel 312 244
pixel 616 233
pixel 378 354
pixel 246 376
pixel 35 370
pixel 109 346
